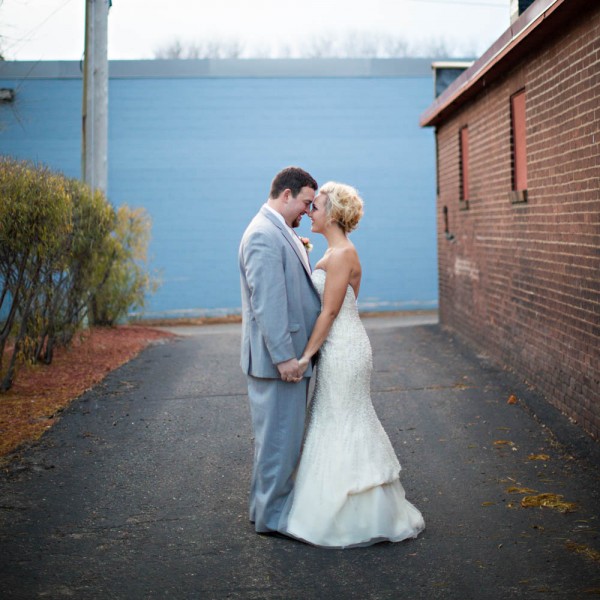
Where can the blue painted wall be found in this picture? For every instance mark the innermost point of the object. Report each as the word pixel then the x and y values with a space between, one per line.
pixel 199 154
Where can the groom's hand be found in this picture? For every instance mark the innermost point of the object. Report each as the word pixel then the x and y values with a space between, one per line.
pixel 290 370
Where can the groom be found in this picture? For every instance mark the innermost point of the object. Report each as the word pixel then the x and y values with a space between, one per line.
pixel 279 308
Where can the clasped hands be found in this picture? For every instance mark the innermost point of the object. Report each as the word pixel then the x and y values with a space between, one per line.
pixel 292 370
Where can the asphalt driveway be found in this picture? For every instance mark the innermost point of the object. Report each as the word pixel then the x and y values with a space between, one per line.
pixel 140 489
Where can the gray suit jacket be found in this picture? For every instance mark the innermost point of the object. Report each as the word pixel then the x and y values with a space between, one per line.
pixel 279 301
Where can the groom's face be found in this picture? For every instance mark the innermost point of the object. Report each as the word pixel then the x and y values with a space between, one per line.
pixel 300 205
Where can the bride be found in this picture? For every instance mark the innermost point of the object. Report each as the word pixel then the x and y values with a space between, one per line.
pixel 347 490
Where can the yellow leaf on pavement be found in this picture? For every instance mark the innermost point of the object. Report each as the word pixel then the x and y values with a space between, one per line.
pixel 520 490
pixel 538 457
pixel 550 501
pixel 583 550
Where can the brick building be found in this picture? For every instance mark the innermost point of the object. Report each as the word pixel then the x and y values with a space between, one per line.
pixel 518 203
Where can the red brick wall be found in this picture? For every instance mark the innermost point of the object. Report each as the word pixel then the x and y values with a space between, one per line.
pixel 522 281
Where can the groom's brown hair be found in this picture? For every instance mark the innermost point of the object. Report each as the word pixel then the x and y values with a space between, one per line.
pixel 292 178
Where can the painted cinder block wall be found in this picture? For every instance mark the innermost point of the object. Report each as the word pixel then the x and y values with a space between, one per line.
pixel 522 281
pixel 197 142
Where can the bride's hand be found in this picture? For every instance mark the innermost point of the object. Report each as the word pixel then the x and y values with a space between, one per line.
pixel 299 374
pixel 303 363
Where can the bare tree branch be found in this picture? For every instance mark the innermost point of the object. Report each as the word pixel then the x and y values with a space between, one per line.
pixel 319 47
pixel 172 50
pixel 350 44
pixel 431 47
pixel 210 48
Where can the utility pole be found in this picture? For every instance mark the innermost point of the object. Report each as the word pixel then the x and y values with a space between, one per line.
pixel 94 140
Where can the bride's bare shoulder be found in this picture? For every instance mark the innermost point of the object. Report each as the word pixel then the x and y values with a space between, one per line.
pixel 346 255
pixel 345 251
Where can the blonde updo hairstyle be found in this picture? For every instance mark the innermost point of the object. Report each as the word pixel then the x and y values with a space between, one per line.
pixel 343 205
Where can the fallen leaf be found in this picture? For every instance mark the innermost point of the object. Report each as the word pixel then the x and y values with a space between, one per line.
pixel 584 550
pixel 520 490
pixel 512 399
pixel 538 457
pixel 550 501
pixel 503 443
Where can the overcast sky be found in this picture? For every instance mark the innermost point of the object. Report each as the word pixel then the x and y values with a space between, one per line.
pixel 53 29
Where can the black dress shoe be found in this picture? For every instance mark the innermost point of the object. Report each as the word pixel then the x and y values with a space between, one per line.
pixel 274 534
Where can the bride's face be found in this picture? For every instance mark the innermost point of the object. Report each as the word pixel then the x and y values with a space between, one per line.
pixel 318 214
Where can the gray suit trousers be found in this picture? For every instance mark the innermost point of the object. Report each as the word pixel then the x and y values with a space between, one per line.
pixel 278 414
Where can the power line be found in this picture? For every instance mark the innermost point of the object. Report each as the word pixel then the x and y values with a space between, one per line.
pixel 464 3
pixel 26 35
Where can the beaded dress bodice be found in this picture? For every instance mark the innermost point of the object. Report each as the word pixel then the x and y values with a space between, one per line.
pixel 347 344
pixel 341 403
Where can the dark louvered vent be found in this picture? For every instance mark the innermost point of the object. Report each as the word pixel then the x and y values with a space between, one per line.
pixel 518 7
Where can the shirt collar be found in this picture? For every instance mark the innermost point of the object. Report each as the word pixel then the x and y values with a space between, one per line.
pixel 278 215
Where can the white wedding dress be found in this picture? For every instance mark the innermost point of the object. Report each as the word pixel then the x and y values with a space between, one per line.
pixel 347 490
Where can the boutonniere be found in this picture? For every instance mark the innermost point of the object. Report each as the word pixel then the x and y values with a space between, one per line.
pixel 306 243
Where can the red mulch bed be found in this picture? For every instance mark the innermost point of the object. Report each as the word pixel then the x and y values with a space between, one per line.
pixel 40 392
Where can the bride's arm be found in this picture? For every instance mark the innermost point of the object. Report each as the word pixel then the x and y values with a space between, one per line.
pixel 339 269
